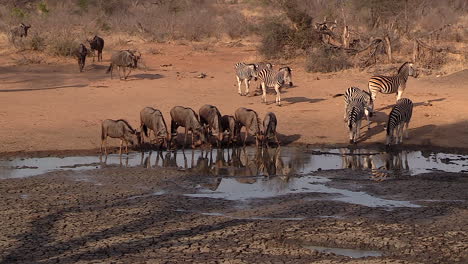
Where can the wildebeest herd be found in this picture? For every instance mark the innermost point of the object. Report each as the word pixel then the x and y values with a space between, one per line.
pixel 209 123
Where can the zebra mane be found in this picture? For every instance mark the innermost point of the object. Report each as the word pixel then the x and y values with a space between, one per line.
pixel 127 124
pixel 402 66
pixel 285 68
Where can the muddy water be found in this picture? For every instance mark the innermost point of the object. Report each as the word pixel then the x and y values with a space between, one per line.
pixel 250 162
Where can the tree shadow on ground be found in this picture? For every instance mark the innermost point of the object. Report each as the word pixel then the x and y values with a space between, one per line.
pixel 302 99
pixel 414 104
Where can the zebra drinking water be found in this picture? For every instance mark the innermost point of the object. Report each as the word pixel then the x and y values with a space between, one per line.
pixel 398 121
pixel 354 114
pixel 245 72
pixel 269 78
pixel 354 93
pixel 392 84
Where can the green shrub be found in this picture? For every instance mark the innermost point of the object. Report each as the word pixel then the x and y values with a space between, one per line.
pixel 18 12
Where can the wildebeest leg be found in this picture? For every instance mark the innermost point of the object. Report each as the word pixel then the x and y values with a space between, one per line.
pixel 129 71
pixel 185 137
pixel 126 146
pixel 118 69
pixel 246 135
pixel 120 150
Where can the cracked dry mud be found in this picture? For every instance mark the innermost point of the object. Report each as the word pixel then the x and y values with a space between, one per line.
pixel 140 215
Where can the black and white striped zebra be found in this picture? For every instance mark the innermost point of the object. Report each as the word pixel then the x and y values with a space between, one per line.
pixel 398 121
pixel 392 84
pixel 356 94
pixel 245 72
pixel 354 114
pixel 269 78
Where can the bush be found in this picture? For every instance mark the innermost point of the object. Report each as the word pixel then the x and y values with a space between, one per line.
pixel 327 60
pixel 63 45
pixel 275 38
pixel 37 42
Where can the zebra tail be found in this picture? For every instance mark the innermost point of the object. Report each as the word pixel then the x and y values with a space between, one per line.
pixel 338 95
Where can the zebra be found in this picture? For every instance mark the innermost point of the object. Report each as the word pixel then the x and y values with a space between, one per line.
pixel 354 93
pixel 269 78
pixel 392 84
pixel 245 72
pixel 398 121
pixel 354 114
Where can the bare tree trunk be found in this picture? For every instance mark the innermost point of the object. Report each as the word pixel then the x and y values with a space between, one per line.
pixel 415 51
pixel 345 37
pixel 388 48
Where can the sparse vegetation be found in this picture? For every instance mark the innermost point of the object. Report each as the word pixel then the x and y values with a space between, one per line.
pixel 289 31
pixel 327 60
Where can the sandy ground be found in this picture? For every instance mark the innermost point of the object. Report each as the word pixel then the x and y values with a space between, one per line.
pixel 54 107
pixel 111 216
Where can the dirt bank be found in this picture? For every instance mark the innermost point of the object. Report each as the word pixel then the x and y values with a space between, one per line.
pixel 54 107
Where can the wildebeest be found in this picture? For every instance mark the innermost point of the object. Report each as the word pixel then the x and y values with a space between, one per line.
pixel 153 119
pixel 20 31
pixel 249 119
pixel 124 59
pixel 119 129
pixel 187 118
pixel 210 118
pixel 81 53
pixel 96 43
pixel 229 126
pixel 269 127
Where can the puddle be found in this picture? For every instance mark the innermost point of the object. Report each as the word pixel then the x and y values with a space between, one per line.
pixel 352 253
pixel 252 162
pixel 235 189
pixel 244 218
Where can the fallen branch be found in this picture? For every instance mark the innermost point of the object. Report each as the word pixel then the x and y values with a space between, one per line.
pixel 436 49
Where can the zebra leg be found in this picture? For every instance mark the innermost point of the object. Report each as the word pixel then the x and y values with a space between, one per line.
pixel 278 95
pixel 264 93
pixel 399 94
pixel 358 129
pixel 406 130
pixel 239 91
pixel 247 86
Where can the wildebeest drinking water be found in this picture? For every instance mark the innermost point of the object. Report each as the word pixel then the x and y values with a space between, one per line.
pixel 249 119
pixel 187 118
pixel 125 59
pixel 118 129
pixel 96 43
pixel 269 127
pixel 210 118
pixel 81 53
pixel 153 119
pixel 229 126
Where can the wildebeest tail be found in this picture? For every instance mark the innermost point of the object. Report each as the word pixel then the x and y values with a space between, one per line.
pixel 110 68
pixel 144 129
pixel 103 134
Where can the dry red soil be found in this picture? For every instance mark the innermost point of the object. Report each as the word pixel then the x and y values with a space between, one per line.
pixel 54 107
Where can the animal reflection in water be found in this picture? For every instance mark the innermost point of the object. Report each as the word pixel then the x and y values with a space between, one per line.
pixel 381 165
pixel 221 162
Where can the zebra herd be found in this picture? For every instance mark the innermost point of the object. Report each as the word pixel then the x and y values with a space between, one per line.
pixel 359 103
pixel 206 124
pixel 268 78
